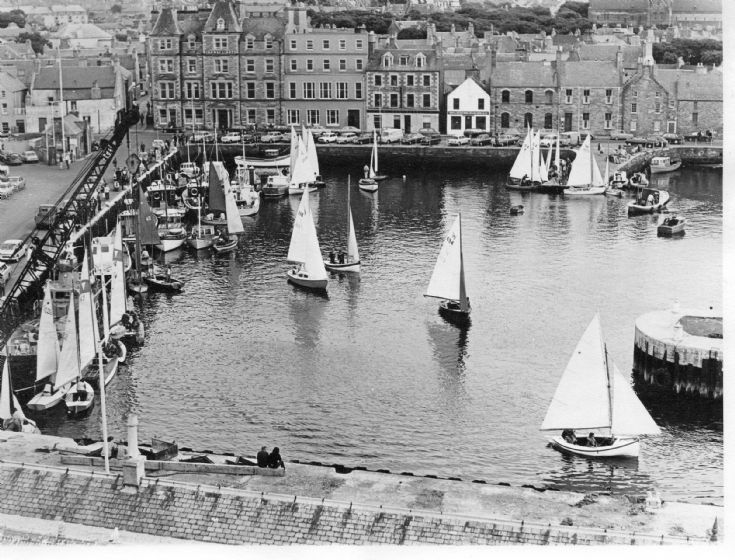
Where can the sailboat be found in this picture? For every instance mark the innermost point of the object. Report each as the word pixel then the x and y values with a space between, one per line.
pixel 552 184
pixel 525 174
pixel 124 323
pixel 278 184
pixel 351 261
pixel 369 182
pixel 216 209
pixel 246 197
pixel 145 232
pixel 313 158
pixel 595 398
pixel 302 171
pixel 447 281
pixel 304 250
pixel 201 235
pixel 227 241
pixel 11 414
pixel 584 176
pixel 612 185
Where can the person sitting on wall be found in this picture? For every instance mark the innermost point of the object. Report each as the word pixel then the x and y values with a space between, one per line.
pixel 262 457
pixel 274 459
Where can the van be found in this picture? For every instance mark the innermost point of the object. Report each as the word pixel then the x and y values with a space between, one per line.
pixel 390 135
pixel 571 138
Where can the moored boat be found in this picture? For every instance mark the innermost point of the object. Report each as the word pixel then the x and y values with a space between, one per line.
pixel 584 175
pixel 79 400
pixel 648 201
pixel 526 173
pixel 12 417
pixel 664 164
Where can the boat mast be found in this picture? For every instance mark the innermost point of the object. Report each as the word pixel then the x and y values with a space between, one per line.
pixel 138 257
pixel 609 389
pixel 592 174
pixel 463 304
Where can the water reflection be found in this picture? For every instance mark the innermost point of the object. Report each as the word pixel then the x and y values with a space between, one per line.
pixel 578 474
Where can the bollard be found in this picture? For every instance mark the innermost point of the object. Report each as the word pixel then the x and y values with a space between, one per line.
pixel 133 451
pixel 134 466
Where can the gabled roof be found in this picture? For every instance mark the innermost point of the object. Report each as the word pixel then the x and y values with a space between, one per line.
pixel 688 85
pixel 11 83
pixel 224 10
pixel 523 74
pixel 631 53
pixel 470 84
pixel 261 26
pixel 166 23
pixel 587 73
pixel 75 77
pixel 81 31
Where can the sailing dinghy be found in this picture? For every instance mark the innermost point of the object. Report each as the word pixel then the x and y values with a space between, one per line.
pixel 369 182
pixel 11 414
pixel 594 398
pixel 525 175
pixel 447 281
pixel 584 176
pixel 304 250
pixel 352 258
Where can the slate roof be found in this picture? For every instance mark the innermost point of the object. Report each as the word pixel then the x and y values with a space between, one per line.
pixel 587 73
pixel 691 86
pixel 75 77
pixel 81 31
pixel 166 24
pixel 619 5
pixel 523 74
pixel 11 83
pixel 631 53
pixel 261 26
pixel 225 10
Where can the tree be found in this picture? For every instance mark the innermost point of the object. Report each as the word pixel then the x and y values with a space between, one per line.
pixel 582 8
pixel 116 9
pixel 38 41
pixel 17 17
pixel 412 33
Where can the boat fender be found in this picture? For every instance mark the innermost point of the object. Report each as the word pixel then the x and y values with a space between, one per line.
pixel 156 196
pixel 193 192
pixel 123 351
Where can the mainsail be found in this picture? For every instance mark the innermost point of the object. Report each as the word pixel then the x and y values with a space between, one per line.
pixel 522 165
pixel 47 353
pixel 147 222
pixel 9 404
pixel 446 281
pixel 304 247
pixel 117 282
pixel 216 200
pixel 234 223
pixel 629 415
pixel 352 253
pixel 69 360
pixel 88 329
pixel 311 154
pixel 584 171
pixel 374 157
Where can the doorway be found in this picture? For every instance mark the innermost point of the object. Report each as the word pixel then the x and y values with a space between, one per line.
pixel 406 123
pixel 353 117
pixel 567 122
pixel 222 119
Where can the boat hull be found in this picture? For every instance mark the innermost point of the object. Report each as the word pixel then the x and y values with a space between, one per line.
pixel 584 191
pixel 169 243
pixel 218 222
pixel 225 247
pixel 248 210
pixel 671 230
pixel 79 401
pixel 92 374
pixel 621 447
pixel 274 192
pixel 635 209
pixel 46 401
pixel 306 282
pixel 201 242
pixel 452 315
pixel 367 185
pixel 160 283
pixel 665 168
pixel 299 190
pixel 344 267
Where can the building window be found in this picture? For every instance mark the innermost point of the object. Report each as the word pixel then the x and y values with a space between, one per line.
pixel 409 80
pixel 250 43
pixel 393 80
pixel 358 64
pixel 568 95
pixel 608 120
pixel 312 117
pixel 308 90
pixel 410 100
pixel 292 116
pixel 325 44
pixel 671 127
pixel 341 90
pixel 191 66
pixel 332 117
pixel 293 44
pixel 342 45
pixel 426 79
pixel 481 123
pixel 268 42
pixel 270 90
pixel 376 122
pixel 403 60
pixel 657 107
pixel 528 120
pixel 585 121
pixel 325 90
pixel 292 90
pixel 220 43
pixel 192 90
pixel 221 65
pixel 164 44
pixel 358 91
pixel 586 96
pixel 326 65
pixel 192 42
pixel 608 96
pixel 163 116
pixel 548 97
pixel 420 61
pixel 378 100
pixel 455 104
pixel 294 65
pixel 455 122
pixel 270 116
pixel 166 65
pixel 548 120
pixel 4 108
pixel 634 108
pixel 342 65
pixel 695 119
pixel 657 126
pixel 480 104
pixel 193 117
pixel 529 96
pixel 309 65
pixel 220 24
pixel 635 94
pixel 167 90
pixel 505 120
pixel 250 90
pixel 250 65
pixel 358 44
pixel 396 121
pixel 427 99
pixel 633 126
pixel 270 66
pixel 250 116
pixel 387 60
pixel 378 79
pixel 221 90
pixel 310 46
pixel 505 96
pixel 394 100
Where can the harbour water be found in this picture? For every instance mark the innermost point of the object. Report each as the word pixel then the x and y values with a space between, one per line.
pixel 371 375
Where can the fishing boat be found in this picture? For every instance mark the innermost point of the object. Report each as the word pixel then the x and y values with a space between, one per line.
pixel 171 230
pixel 594 398
pixel 351 260
pixel 584 175
pixel 246 197
pixel 619 180
pixel 202 236
pixel 304 251
pixel 671 225
pixel 664 164
pixel 648 201
pixel 526 174
pixel 12 417
pixel 448 282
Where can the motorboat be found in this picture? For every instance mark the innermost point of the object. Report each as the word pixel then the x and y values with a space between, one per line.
pixel 671 225
pixel 648 201
pixel 664 164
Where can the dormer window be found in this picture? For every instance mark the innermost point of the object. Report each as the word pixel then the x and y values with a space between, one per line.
pixel 192 41
pixel 420 61
pixel 268 42
pixel 250 42
pixel 220 24
pixel 387 60
pixel 403 61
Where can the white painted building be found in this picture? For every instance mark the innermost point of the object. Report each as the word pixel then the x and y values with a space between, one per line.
pixel 468 106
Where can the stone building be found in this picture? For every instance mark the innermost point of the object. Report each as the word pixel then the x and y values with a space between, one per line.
pixel 260 79
pixel 685 13
pixel 697 95
pixel 524 94
pixel 323 73
pixel 403 85
pixel 12 104
pixel 590 95
pixel 468 106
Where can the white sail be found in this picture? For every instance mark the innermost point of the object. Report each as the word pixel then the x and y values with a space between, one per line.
pixel 374 157
pixel 88 329
pixel 234 222
pixel 8 402
pixel 311 153
pixel 584 170
pixel 522 165
pixel 581 401
pixel 294 147
pixel 68 360
pixel 539 170
pixel 548 159
pixel 630 417
pixel 117 281
pixel 301 172
pixel 352 253
pixel 557 158
pixel 304 247
pixel 47 348
pixel 445 280
pixel 607 169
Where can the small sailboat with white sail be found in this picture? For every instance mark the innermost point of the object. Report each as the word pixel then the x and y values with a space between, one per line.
pixel 594 398
pixel 216 208
pixel 304 251
pixel 12 417
pixel 525 175
pixel 584 175
pixel 448 280
pixel 552 184
pixel 227 240
pixel 371 177
pixel 302 171
pixel 350 261
pixel 313 158
pixel 124 322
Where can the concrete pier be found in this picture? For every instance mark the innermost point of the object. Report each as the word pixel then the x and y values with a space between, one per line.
pixel 680 350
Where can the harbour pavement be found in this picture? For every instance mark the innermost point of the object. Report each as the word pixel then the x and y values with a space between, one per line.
pixel 34 461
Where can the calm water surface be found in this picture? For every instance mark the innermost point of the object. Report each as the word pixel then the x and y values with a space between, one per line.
pixel 371 375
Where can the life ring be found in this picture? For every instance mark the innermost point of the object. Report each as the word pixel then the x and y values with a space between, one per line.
pixel 156 196
pixel 193 192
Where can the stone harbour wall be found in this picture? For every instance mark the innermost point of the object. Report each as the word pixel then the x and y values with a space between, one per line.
pixel 218 515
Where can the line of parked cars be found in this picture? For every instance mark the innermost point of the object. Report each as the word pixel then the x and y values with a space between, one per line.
pixel 9 184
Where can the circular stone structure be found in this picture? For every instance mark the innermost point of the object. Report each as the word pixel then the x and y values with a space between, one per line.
pixel 681 350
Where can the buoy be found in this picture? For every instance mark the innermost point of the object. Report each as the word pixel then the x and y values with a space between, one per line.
pixel 404 178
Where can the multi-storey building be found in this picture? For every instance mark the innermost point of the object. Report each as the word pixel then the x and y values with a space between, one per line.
pixel 403 85
pixel 261 71
pixel 686 13
pixel 590 96
pixel 12 104
pixel 468 106
pixel 323 73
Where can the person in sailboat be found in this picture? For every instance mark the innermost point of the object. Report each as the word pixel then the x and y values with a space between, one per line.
pixel 331 256
pixel 591 441
pixel 366 171
pixel 168 273
pixel 569 436
pixel 524 179
pixel 341 257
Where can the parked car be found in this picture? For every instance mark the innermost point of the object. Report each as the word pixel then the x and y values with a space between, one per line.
pixel 699 136
pixel 11 158
pixel 572 137
pixel 620 135
pixel 271 137
pixel 5 189
pixel 12 250
pixel 390 135
pixel 364 138
pixel 29 156
pixel 431 139
pixel 481 140
pixel 458 140
pixel 346 138
pixel 231 138
pixel 17 183
pixel 472 132
pixel 673 138
pixel 647 141
pixel 413 138
pixel 505 140
pixel 329 137
pixel 549 139
pixel 202 136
